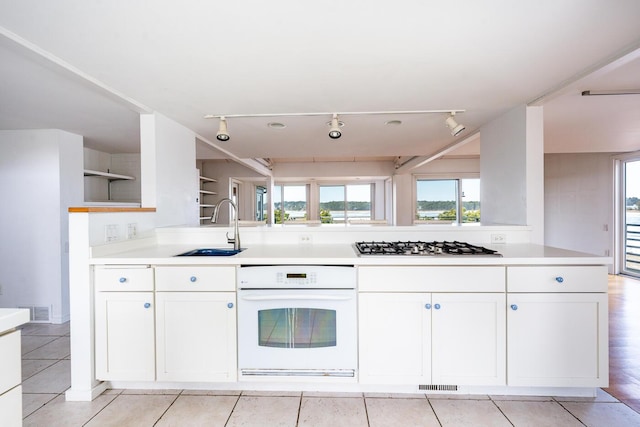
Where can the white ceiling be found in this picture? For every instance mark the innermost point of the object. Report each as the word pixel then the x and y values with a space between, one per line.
pixel 92 67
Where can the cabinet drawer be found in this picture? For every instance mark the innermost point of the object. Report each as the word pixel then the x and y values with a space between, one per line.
pixel 431 279
pixel 123 278
pixel 196 278
pixel 11 366
pixel 559 278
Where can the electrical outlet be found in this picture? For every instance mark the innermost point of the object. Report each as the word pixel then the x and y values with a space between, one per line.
pixel 111 232
pixel 132 230
pixel 305 239
pixel 499 238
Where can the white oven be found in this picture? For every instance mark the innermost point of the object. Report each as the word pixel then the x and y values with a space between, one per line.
pixel 297 320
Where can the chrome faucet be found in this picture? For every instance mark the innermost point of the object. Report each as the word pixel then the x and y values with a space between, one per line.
pixel 236 231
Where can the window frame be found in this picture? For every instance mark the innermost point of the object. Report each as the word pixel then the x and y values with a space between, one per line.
pixel 345 184
pixel 282 200
pixel 459 177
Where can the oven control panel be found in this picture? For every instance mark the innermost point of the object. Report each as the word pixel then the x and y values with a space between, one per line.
pixel 297 277
pixel 283 278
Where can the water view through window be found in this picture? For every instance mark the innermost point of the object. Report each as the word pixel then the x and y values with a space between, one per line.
pixel 448 200
pixel 632 218
pixel 340 203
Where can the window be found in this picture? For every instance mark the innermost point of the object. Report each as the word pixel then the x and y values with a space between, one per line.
pixel 631 218
pixel 289 203
pixel 341 203
pixel 446 201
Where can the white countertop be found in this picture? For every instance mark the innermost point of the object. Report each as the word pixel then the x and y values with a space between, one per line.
pixel 341 254
pixel 11 318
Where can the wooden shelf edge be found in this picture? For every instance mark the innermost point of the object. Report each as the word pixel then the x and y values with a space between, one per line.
pixel 93 209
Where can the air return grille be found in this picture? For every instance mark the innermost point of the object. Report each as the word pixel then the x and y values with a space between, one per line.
pixel 437 387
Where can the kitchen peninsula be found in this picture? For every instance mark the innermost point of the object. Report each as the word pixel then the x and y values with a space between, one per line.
pixel 531 321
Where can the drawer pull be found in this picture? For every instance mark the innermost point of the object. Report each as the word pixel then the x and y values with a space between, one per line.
pixel 230 305
pixel 514 307
pixel 193 278
pixel 559 279
pixel 147 305
pixel 122 279
pixel 437 306
pixel 427 306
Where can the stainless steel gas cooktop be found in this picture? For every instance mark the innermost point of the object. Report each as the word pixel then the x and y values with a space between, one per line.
pixel 422 248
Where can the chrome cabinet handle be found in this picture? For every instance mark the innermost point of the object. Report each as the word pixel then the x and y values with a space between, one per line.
pixel 122 279
pixel 147 305
pixel 437 306
pixel 230 305
pixel 193 279
pixel 514 307
pixel 559 279
pixel 427 306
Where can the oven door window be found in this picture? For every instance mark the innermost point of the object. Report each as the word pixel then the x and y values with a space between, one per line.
pixel 297 328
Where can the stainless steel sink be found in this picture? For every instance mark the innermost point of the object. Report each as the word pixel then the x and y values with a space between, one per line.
pixel 212 252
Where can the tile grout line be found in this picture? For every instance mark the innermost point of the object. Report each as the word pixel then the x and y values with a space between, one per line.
pixel 501 411
pixel 168 407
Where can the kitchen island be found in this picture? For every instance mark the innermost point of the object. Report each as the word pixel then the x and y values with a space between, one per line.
pixel 11 368
pixel 532 321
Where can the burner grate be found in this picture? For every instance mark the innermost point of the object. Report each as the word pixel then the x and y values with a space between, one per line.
pixel 422 248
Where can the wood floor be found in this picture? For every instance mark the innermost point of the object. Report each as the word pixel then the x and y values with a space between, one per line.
pixel 624 340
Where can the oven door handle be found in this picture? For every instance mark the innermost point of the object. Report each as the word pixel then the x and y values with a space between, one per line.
pixel 295 297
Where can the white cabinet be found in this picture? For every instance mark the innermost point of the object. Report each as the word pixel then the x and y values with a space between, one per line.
pixel 394 339
pixel 196 323
pixel 196 336
pixel 10 379
pixel 444 338
pixel 124 324
pixel 468 339
pixel 557 326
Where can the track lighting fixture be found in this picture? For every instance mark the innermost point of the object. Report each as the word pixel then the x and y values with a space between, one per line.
pixel 454 126
pixel 335 124
pixel 223 134
pixel 334 132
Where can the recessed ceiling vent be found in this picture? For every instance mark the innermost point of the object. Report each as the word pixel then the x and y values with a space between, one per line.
pixel 437 387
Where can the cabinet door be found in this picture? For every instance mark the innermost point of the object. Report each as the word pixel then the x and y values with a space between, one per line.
pixel 125 336
pixel 395 338
pixel 196 338
pixel 557 340
pixel 468 339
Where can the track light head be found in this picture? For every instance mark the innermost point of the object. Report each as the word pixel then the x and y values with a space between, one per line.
pixel 334 132
pixel 223 134
pixel 454 126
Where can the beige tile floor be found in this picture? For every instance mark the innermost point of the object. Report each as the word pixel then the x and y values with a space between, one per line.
pixel 46 366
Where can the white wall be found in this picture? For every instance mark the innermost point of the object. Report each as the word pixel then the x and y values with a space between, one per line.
pixel 96 189
pixel 462 166
pixel 403 196
pixel 337 170
pixel 169 180
pixel 511 170
pixel 579 202
pixel 126 164
pixel 40 178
